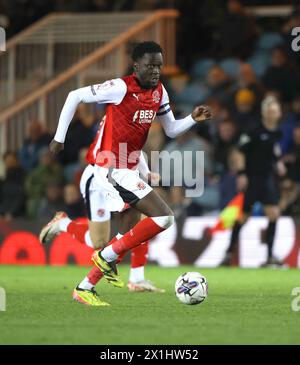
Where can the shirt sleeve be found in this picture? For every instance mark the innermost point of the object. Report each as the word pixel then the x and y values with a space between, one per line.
pixel 173 127
pixel 110 92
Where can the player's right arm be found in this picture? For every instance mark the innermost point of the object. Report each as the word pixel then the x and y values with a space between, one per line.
pixel 110 92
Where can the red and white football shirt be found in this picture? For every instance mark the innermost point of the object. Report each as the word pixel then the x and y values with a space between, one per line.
pixel 124 130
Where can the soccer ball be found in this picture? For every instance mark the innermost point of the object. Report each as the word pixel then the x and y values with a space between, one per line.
pixel 191 288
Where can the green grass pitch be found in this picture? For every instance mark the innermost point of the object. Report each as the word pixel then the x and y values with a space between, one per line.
pixel 243 307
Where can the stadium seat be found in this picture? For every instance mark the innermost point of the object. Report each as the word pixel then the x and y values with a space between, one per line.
pixel 201 67
pixel 231 66
pixel 260 61
pixel 184 108
pixel 193 93
pixel 268 41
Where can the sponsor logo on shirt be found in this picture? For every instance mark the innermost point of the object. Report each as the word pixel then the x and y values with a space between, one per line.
pixel 144 116
pixel 155 96
pixel 136 96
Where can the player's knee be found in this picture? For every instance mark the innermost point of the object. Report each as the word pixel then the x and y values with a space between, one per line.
pixel 164 221
pixel 98 242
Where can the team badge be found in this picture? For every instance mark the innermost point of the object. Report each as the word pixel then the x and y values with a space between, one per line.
pixel 106 85
pixel 101 212
pixel 141 185
pixel 155 96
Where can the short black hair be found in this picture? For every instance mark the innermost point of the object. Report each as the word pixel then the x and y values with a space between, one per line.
pixel 145 47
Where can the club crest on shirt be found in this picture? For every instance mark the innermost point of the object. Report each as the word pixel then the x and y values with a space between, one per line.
pixel 106 85
pixel 155 96
pixel 101 212
pixel 141 185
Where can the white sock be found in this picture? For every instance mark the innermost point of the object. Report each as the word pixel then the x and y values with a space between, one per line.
pixel 87 239
pixel 109 254
pixel 63 224
pixel 137 274
pixel 85 284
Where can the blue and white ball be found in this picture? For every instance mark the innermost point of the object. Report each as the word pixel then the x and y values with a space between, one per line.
pixel 191 288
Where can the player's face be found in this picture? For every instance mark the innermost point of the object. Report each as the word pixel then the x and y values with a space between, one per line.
pixel 148 69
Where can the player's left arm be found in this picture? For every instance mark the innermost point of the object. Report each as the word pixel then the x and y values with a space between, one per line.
pixel 174 127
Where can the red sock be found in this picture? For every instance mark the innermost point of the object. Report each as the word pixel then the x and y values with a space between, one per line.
pixel 78 231
pixel 141 232
pixel 94 275
pixel 139 255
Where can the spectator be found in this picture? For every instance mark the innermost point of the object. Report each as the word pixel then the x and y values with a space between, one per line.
pixel 178 172
pixel 292 159
pixel 237 32
pixel 227 137
pixel 281 76
pixel 228 188
pixel 245 115
pixel 82 163
pixel 187 142
pixel 48 171
pixel 218 84
pixel 209 131
pixel 289 197
pixel 12 194
pixel 51 203
pixel 73 203
pixel 248 80
pixel 80 135
pixel 288 125
pixel 37 139
pixel 208 201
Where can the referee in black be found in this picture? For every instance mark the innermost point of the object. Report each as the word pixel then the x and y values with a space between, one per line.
pixel 258 178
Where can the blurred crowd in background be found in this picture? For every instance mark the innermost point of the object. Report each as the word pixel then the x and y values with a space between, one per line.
pixel 230 62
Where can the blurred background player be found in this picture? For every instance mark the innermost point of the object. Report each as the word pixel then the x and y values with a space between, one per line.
pixel 262 166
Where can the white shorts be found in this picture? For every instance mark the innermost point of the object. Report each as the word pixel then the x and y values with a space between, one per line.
pixel 110 190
